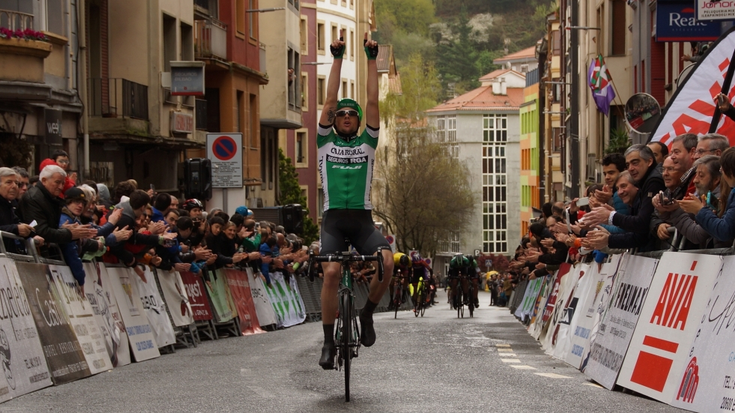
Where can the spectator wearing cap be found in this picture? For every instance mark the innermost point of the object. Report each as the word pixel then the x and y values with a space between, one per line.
pixel 42 203
pixel 9 222
pixel 242 210
pixel 76 202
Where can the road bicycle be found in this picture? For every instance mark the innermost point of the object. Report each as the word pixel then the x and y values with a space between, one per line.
pixel 471 297
pixel 347 333
pixel 419 307
pixel 398 291
pixel 458 295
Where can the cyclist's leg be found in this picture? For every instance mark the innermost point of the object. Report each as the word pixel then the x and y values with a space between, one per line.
pixel 332 241
pixel 465 290
pixel 477 289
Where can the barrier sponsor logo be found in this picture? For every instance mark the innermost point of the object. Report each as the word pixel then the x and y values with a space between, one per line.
pixel 675 301
pixel 630 298
pixel 690 382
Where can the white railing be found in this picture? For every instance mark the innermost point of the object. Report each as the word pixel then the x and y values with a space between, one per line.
pixel 211 39
pixel 15 20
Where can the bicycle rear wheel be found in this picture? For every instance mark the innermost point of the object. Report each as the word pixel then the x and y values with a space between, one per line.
pixel 424 304
pixel 347 331
pixel 397 295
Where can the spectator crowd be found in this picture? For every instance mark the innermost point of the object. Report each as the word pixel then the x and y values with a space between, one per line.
pixel 63 218
pixel 654 197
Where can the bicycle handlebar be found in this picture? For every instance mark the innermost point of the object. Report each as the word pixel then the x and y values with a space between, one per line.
pixel 346 256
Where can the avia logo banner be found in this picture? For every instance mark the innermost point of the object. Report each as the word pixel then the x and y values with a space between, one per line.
pixel 692 107
pixel 659 351
pixel 706 383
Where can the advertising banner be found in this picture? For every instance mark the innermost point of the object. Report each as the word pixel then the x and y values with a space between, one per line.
pixel 715 9
pixel 286 301
pixel 707 383
pixel 560 296
pixel 264 309
pixel 675 22
pixel 584 294
pixel 240 290
pixel 590 309
pixel 104 306
pixel 529 299
pixel 561 340
pixel 140 333
pixel 219 295
pixel 198 301
pixel 536 325
pixel 63 353
pixel 692 107
pixel 21 355
pixel 174 294
pixel 616 330
pixel 156 310
pixel 668 323
pixel 79 310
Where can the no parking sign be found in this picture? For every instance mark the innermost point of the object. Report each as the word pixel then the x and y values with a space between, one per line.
pixel 225 152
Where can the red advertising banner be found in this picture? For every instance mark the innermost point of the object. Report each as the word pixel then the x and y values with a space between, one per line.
pixel 200 307
pixel 668 323
pixel 240 291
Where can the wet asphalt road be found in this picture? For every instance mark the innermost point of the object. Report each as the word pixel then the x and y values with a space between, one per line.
pixel 434 363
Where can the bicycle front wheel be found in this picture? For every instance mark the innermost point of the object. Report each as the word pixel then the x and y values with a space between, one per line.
pixel 397 300
pixel 345 315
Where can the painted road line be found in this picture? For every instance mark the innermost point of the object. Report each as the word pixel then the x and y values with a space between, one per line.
pixel 591 385
pixel 552 375
pixel 524 367
pixel 502 345
pixel 504 349
pixel 507 355
pixel 510 360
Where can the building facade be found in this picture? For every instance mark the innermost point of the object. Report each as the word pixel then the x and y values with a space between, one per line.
pixel 482 129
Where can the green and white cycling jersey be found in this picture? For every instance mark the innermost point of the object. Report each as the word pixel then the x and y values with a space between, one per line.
pixel 346 168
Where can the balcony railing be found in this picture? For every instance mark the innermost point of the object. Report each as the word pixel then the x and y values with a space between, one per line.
pixel 118 98
pixel 15 20
pixel 211 39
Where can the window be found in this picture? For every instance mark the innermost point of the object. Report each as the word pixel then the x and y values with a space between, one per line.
pixel 238 110
pixel 495 183
pixel 303 29
pixel 352 89
pixel 304 92
pixel 252 19
pixel 351 45
pixel 169 42
pixel 617 48
pixel 452 136
pixel 254 121
pixel 321 90
pixel 320 40
pixel 240 16
pixel 301 148
pixel 335 33
pixel 344 89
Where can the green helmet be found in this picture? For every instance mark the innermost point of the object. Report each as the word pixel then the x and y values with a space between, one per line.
pixel 349 103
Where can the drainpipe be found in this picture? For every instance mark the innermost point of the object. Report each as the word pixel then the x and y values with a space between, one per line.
pixel 82 67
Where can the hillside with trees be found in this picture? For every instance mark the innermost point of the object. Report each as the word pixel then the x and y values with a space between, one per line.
pixel 460 39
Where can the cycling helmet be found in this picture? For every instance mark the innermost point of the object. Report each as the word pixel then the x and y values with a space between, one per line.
pixel 192 203
pixel 416 257
pixel 456 262
pixel 401 259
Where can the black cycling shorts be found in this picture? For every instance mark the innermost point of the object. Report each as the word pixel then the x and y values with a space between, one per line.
pixel 354 224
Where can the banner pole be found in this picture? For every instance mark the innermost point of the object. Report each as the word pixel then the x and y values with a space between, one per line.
pixel 725 90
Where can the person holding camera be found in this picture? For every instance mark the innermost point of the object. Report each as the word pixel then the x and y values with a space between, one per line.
pixel 666 201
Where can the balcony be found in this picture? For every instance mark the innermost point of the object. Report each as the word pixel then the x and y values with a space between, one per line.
pixel 15 20
pixel 210 39
pixel 22 60
pixel 118 106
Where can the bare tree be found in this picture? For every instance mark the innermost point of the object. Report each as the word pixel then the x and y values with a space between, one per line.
pixel 426 191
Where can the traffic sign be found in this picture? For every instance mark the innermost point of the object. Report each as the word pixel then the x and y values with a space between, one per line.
pixel 225 152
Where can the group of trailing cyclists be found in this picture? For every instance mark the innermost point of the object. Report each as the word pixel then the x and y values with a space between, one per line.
pixel 416 273
pixel 463 281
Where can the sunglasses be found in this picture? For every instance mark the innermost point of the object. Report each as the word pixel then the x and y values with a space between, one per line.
pixel 343 112
pixel 21 184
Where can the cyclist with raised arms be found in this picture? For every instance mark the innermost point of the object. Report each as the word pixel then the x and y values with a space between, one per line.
pixel 346 158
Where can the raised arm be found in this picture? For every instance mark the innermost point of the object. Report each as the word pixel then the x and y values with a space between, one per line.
pixel 372 113
pixel 330 103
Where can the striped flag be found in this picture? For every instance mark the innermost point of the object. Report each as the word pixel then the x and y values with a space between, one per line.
pixel 600 82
